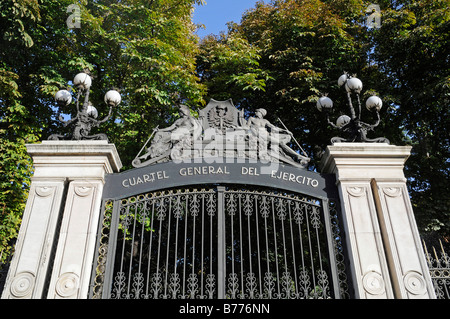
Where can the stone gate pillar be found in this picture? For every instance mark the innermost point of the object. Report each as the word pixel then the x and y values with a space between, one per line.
pixel 55 246
pixel 385 252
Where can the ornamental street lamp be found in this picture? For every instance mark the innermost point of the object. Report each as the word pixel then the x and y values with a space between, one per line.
pixel 352 126
pixel 87 114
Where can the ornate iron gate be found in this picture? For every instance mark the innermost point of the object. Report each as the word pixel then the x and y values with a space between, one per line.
pixel 220 241
pixel 260 226
pixel 439 266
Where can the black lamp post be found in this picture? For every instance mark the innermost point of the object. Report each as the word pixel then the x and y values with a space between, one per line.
pixel 354 129
pixel 87 114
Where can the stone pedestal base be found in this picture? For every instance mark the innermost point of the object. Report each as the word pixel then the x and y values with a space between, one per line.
pixel 386 257
pixel 59 226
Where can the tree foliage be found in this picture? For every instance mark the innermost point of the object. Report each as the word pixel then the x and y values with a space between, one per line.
pixel 281 56
pixel 15 164
pixel 229 66
pixel 144 49
pixel 304 46
pixel 412 53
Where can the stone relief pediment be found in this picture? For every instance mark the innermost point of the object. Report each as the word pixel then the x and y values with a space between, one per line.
pixel 220 131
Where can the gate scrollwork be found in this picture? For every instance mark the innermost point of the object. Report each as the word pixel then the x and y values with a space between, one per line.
pixel 165 244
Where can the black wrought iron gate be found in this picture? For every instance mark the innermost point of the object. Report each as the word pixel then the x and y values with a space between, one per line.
pixel 219 241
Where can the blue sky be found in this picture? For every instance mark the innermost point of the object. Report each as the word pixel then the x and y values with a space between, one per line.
pixel 216 13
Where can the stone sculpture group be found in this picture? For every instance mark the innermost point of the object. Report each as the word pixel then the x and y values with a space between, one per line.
pixel 221 130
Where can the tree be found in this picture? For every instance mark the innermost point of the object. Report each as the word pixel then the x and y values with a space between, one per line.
pixel 228 65
pixel 304 46
pixel 411 49
pixel 145 49
pixel 15 165
pixel 282 56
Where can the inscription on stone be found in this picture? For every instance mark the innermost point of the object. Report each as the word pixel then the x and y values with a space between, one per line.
pixel 295 178
pixel 144 178
pixel 203 170
pixel 163 176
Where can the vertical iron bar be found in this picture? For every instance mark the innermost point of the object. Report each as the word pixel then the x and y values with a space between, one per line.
pixel 156 292
pixel 275 244
pixel 249 240
pixel 293 248
pixel 168 245
pixel 310 248
pixel 232 235
pixel 266 215
pixel 250 273
pixel 240 246
pixel 221 267
pixel 302 250
pixel 193 241
pixel 257 246
pixel 150 247
pixel 175 258
pixel 231 212
pixel 98 244
pixel 144 207
pixel 204 211
pixel 314 208
pixel 211 245
pixel 124 241
pixel 283 232
pixel 331 250
pixel 185 244
pixel 130 275
pixel 106 293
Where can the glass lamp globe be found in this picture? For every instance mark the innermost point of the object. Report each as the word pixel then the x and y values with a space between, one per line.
pixel 112 97
pixel 342 79
pixel 92 111
pixel 342 121
pixel 82 80
pixel 353 84
pixel 63 97
pixel 324 102
pixel 374 103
